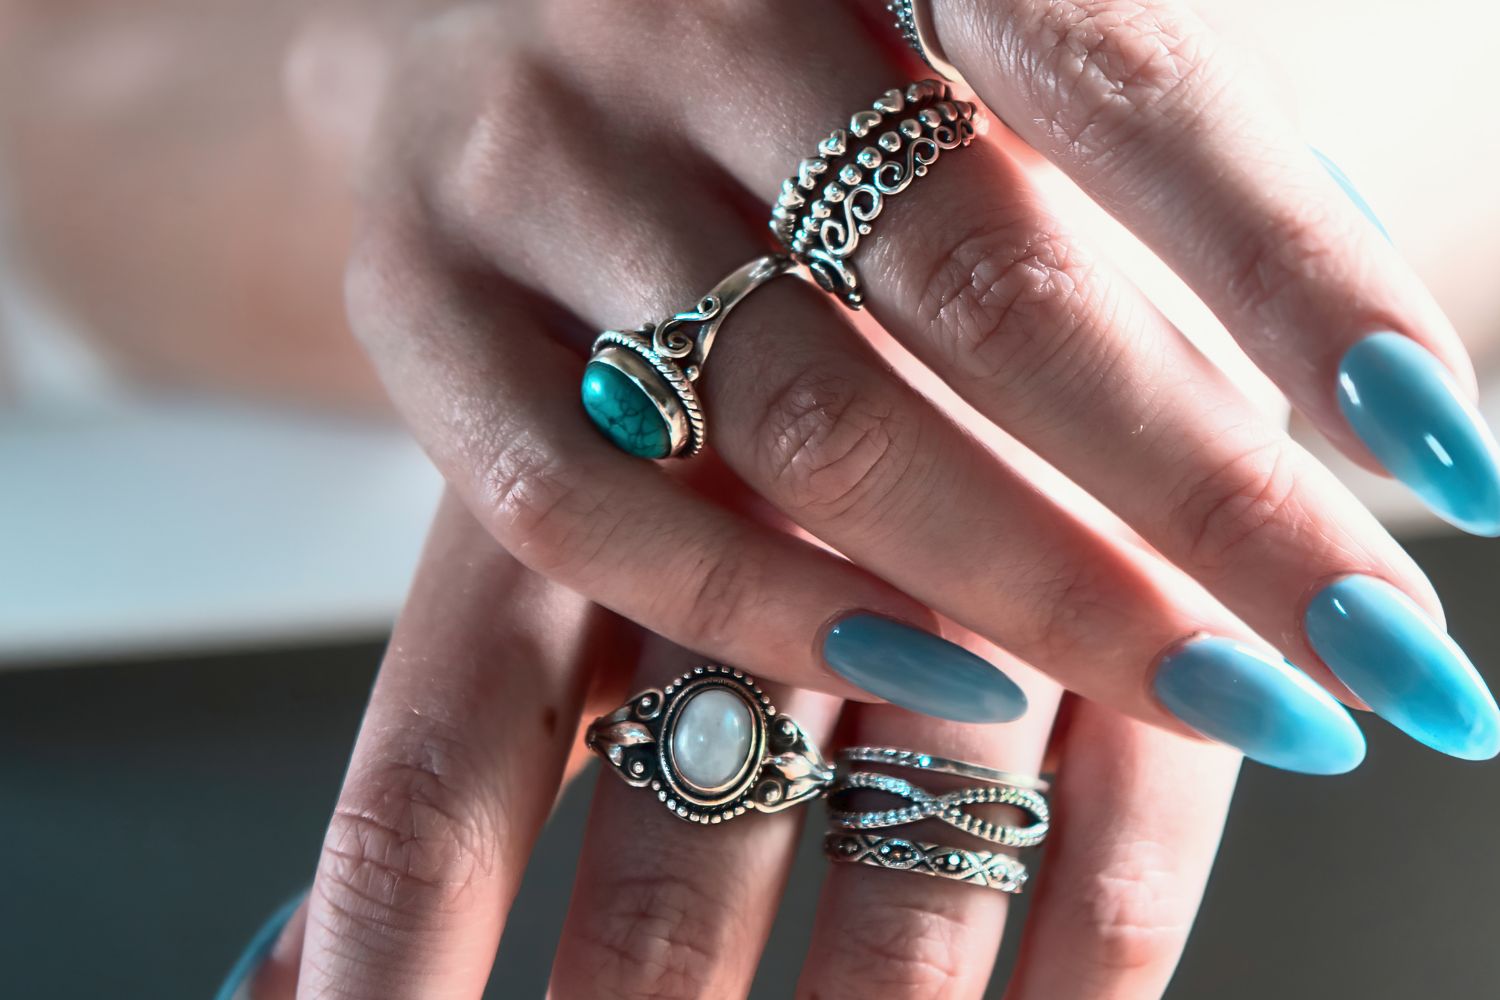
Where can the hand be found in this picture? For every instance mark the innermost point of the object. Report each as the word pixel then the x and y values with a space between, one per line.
pixel 545 171
pixel 469 733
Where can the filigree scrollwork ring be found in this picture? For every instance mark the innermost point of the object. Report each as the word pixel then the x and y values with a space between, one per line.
pixel 640 386
pixel 711 746
pixel 834 198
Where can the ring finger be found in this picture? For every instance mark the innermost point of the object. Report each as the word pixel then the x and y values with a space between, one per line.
pixel 900 936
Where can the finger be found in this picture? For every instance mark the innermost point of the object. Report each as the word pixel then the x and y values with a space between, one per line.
pixel 1142 106
pixel 970 270
pixel 667 908
pixel 1136 819
pixel 894 934
pixel 828 434
pixel 455 769
pixel 494 398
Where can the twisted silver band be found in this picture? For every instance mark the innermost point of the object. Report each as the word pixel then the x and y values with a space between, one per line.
pixel 914 21
pixel 948 808
pixel 649 404
pixel 983 868
pixel 830 203
pixel 762 762
pixel 896 757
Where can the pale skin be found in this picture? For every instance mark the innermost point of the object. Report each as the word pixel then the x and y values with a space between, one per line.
pixel 522 154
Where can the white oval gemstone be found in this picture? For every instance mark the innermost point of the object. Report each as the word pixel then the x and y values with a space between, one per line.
pixel 711 738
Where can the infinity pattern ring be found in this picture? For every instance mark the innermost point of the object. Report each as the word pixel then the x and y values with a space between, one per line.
pixel 914 21
pixel 985 868
pixel 830 203
pixel 712 747
pixel 947 807
pixel 639 387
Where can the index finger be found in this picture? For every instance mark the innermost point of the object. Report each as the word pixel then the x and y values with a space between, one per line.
pixel 1148 113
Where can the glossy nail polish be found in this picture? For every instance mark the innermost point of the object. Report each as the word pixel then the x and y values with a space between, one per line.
pixel 920 671
pixel 1343 181
pixel 1259 704
pixel 257 951
pixel 1406 408
pixel 1399 662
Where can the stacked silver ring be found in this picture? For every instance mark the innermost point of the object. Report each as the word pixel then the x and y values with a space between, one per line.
pixel 914 21
pixel 849 842
pixel 829 204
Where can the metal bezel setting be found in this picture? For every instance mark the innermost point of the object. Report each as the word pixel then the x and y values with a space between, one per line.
pixel 781 768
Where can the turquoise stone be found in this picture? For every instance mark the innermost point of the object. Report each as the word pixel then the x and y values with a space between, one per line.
pixel 625 414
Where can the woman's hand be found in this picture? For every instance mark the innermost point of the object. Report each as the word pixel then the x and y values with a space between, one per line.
pixel 546 170
pixel 469 733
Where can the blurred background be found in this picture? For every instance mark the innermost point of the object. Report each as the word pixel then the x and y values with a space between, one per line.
pixel 208 517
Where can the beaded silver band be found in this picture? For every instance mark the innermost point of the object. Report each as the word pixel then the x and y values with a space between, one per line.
pixel 896 757
pixel 948 807
pixel 830 203
pixel 914 21
pixel 983 868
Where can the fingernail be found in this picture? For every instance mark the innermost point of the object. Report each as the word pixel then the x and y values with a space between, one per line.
pixel 1406 408
pixel 1259 704
pixel 1399 662
pixel 1343 181
pixel 920 671
pixel 257 951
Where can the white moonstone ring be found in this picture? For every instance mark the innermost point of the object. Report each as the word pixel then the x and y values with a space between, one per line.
pixel 712 747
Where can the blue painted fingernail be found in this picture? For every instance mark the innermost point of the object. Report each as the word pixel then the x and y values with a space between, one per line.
pixel 1343 181
pixel 1259 704
pixel 1406 408
pixel 257 951
pixel 920 671
pixel 1399 662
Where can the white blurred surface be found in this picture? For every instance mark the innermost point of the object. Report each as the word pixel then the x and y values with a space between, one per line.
pixel 132 526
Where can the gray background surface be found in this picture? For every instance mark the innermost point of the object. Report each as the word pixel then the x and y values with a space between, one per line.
pixel 153 814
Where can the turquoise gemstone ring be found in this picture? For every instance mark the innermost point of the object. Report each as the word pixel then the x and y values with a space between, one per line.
pixel 639 387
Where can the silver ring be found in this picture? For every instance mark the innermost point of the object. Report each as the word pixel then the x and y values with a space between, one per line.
pixel 639 385
pixel 985 868
pixel 914 21
pixel 948 807
pixel 712 747
pixel 896 757
pixel 830 203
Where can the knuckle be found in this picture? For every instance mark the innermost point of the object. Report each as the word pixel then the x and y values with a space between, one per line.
pixel 1109 62
pixel 1061 600
pixel 1135 914
pixel 542 507
pixel 1276 265
pixel 834 446
pixel 648 938
pixel 901 952
pixel 1233 507
pixel 721 595
pixel 488 172
pixel 1009 305
pixel 413 835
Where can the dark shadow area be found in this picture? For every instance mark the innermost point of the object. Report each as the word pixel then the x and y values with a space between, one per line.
pixel 154 813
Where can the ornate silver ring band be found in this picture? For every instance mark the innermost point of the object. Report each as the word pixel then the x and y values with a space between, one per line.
pixel 896 757
pixel 914 21
pixel 950 808
pixel 830 203
pixel 984 868
pixel 712 747
pixel 639 387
